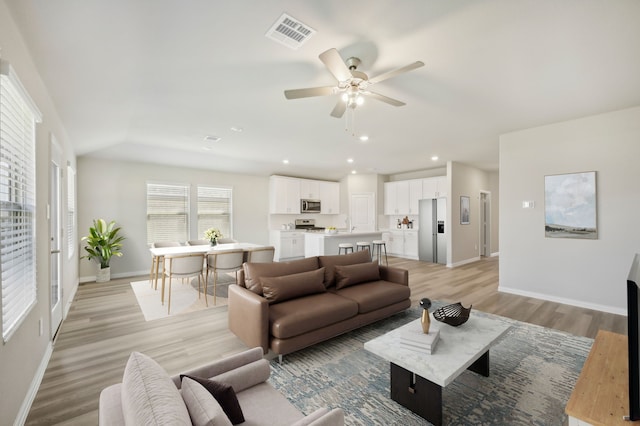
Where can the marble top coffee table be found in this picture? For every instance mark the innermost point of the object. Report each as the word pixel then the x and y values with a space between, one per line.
pixel 417 378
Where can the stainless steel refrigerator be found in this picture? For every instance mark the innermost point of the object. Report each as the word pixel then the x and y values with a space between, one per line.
pixel 432 230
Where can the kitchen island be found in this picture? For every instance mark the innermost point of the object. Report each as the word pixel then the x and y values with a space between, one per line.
pixel 320 243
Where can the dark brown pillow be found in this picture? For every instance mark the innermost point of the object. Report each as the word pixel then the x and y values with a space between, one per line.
pixel 253 272
pixel 225 395
pixel 356 274
pixel 329 262
pixel 279 289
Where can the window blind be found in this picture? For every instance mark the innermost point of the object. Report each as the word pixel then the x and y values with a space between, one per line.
pixel 71 211
pixel 18 116
pixel 214 210
pixel 167 212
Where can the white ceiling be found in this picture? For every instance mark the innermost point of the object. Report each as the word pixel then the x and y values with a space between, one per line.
pixel 147 80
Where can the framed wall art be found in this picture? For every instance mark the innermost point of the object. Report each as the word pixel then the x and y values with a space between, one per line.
pixel 464 210
pixel 570 206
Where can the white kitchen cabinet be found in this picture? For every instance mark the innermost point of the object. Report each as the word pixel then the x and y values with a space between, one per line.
pixel 403 243
pixel 284 195
pixel 435 187
pixel 309 189
pixel 288 244
pixel 402 197
pixel 329 197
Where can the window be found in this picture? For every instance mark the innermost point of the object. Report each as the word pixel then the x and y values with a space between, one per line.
pixel 214 210
pixel 167 212
pixel 71 211
pixel 18 117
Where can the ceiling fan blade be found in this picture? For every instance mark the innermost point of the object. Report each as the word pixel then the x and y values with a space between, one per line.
pixel 335 64
pixel 384 99
pixel 309 92
pixel 393 73
pixel 339 109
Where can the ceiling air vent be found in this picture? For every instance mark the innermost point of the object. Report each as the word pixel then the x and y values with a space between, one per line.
pixel 290 32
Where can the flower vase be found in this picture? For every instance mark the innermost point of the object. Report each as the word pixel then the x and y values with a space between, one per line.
pixel 425 320
pixel 214 242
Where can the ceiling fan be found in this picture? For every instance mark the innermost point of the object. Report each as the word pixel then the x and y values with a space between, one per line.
pixel 352 84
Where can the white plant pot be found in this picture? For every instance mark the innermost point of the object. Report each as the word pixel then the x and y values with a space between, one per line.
pixel 103 275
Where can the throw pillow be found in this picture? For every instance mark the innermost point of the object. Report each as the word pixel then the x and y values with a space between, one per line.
pixel 253 272
pixel 203 407
pixel 149 396
pixel 279 289
pixel 355 274
pixel 224 394
pixel 329 263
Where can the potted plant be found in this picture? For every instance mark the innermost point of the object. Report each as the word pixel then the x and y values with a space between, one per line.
pixel 103 242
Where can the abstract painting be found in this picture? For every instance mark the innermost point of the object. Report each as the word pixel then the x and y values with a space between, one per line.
pixel 570 206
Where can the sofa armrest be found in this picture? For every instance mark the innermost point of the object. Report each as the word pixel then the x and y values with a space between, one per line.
pixel 322 417
pixel 248 316
pixel 110 406
pixel 223 365
pixel 394 275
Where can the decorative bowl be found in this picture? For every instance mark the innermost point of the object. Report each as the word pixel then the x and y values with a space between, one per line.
pixel 454 314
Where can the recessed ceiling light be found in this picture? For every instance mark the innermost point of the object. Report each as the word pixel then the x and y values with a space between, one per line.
pixel 353 172
pixel 285 161
pixel 364 138
pixel 210 138
pixel 349 160
pixel 237 129
pixel 207 148
pixel 434 158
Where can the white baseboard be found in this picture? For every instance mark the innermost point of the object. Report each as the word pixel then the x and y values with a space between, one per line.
pixel 463 262
pixel 564 301
pixel 70 300
pixel 21 418
pixel 495 254
pixel 92 278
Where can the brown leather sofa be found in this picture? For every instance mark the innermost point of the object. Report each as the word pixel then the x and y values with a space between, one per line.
pixel 287 306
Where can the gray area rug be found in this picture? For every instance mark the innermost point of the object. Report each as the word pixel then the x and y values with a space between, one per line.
pixel 533 371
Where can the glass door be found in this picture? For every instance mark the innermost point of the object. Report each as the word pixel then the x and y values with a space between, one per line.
pixel 55 233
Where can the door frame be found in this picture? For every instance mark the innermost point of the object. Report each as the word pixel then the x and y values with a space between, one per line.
pixel 54 217
pixel 484 248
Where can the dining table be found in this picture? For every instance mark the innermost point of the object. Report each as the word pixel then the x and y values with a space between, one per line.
pixel 158 254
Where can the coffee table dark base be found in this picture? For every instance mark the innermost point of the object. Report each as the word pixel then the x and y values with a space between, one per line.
pixel 422 396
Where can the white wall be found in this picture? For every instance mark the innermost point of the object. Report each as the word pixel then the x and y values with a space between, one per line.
pixel 589 273
pixel 24 357
pixel 121 196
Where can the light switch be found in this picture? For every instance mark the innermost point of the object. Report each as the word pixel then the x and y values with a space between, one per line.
pixel 527 204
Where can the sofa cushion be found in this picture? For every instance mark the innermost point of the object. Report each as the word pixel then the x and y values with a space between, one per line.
pixel 254 271
pixel 374 295
pixel 203 408
pixel 329 263
pixel 348 275
pixel 223 394
pixel 279 289
pixel 297 316
pixel 149 396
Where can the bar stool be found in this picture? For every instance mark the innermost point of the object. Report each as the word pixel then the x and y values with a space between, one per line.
pixel 378 245
pixel 364 245
pixel 346 247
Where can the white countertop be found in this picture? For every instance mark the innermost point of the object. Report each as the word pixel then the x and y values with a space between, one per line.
pixel 343 234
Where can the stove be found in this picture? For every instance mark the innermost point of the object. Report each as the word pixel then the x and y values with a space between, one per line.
pixel 308 225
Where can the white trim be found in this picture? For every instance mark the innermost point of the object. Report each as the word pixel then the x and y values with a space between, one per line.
pixel 564 301
pixel 92 278
pixel 463 262
pixel 21 418
pixel 7 70
pixel 72 296
pixel 495 254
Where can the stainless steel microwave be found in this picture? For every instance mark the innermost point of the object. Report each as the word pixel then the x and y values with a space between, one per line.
pixel 309 206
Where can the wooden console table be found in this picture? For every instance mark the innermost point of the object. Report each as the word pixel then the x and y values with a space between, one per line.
pixel 601 394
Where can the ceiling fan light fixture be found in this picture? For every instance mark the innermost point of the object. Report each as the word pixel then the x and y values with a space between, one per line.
pixel 359 100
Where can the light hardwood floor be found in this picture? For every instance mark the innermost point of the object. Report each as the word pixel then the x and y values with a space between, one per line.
pixel 105 324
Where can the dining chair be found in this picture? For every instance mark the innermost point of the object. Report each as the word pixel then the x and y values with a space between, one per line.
pixel 261 254
pixel 198 242
pixel 222 261
pixel 181 266
pixel 155 261
pixel 226 240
